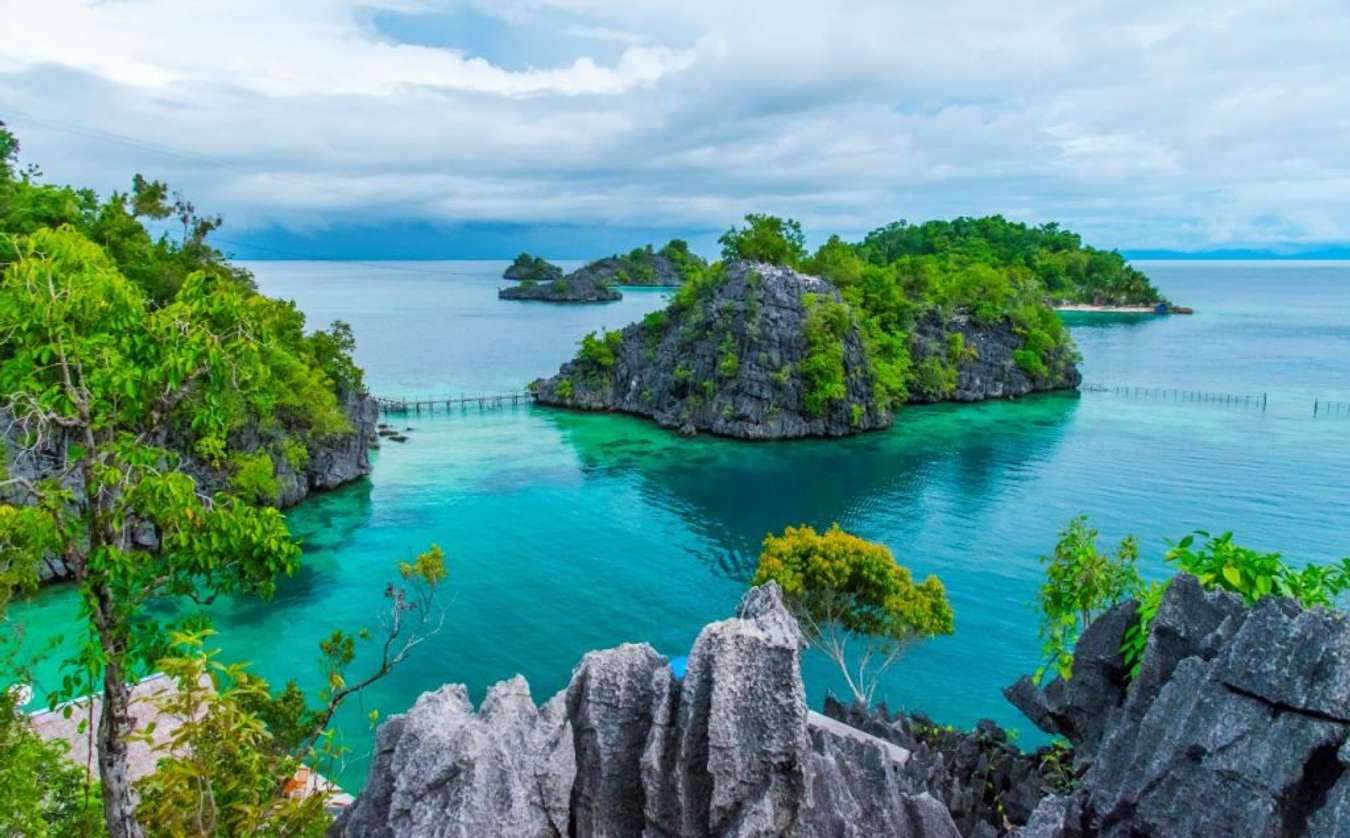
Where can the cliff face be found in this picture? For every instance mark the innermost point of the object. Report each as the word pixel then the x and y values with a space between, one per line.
pixel 1237 724
pixel 629 749
pixel 332 461
pixel 738 361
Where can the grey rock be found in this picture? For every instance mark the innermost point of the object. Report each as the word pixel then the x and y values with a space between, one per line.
pixel 576 287
pixel 1233 727
pixel 730 362
pixel 332 461
pixel 628 749
pixel 641 267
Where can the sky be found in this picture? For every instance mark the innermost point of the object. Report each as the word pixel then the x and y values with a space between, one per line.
pixel 575 128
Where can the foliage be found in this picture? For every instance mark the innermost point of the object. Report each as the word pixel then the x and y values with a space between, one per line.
pixel 846 592
pixel 1055 258
pixel 533 269
pixel 1252 575
pixel 1081 582
pixel 765 238
pixel 827 322
pixel 42 793
pixel 599 354
pixel 130 354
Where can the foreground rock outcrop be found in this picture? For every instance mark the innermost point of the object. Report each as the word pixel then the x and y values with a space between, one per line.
pixel 628 749
pixel 746 355
pixel 331 461
pixel 1237 724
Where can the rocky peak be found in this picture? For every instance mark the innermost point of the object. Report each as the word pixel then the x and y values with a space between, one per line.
pixel 1238 723
pixel 629 749
pixel 760 351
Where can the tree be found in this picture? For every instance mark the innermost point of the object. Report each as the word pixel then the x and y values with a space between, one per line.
pixel 1080 583
pixel 846 592
pixel 228 767
pixel 91 367
pixel 766 238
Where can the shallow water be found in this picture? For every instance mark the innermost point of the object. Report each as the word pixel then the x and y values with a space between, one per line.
pixel 568 532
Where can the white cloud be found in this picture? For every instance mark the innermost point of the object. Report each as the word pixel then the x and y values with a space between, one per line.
pixel 1152 124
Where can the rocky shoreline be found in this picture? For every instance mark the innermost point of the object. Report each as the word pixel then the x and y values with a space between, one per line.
pixel 737 360
pixel 330 462
pixel 1240 708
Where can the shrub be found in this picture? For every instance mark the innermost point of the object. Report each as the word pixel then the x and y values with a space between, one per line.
pixel 851 595
pixel 1081 582
pixel 765 238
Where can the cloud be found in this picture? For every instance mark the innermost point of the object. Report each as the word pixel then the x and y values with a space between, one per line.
pixel 1143 125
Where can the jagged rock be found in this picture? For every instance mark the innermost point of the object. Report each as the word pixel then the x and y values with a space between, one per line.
pixel 628 749
pixel 1235 726
pixel 985 781
pixel 730 360
pixel 331 462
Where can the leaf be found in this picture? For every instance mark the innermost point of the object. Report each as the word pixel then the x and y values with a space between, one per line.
pixel 1233 575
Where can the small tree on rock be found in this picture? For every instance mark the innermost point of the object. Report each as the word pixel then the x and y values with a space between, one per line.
pixel 853 601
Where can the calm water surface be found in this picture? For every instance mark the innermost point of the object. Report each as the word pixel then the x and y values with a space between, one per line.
pixel 568 532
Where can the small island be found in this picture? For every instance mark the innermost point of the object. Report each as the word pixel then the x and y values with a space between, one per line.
pixel 772 344
pixel 544 281
pixel 527 268
pixel 672 265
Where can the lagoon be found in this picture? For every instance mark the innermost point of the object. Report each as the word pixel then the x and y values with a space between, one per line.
pixel 567 532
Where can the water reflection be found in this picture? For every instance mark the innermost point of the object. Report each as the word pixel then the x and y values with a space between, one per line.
pixel 732 493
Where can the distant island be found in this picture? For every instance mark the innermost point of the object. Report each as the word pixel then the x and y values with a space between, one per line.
pixel 672 265
pixel 771 343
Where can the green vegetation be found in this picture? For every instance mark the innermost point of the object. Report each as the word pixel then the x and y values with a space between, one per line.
pixel 42 793
pixel 138 353
pixel 1080 583
pixel 827 322
pixel 853 600
pixel 1057 259
pixel 599 354
pixel 765 238
pixel 532 269
pixel 1220 563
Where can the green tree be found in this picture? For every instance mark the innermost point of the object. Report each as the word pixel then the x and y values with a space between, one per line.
pixel 765 238
pixel 849 594
pixel 1080 583
pixel 90 362
pixel 229 768
pixel 1218 562
pixel 42 793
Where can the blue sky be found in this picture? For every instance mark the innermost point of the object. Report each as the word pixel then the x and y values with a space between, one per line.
pixel 401 128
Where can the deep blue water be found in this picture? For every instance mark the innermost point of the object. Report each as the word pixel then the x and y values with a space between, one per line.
pixel 568 532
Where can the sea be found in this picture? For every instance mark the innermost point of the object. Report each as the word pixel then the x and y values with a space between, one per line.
pixel 566 532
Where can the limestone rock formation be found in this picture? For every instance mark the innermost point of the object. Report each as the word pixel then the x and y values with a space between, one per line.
pixel 331 462
pixel 736 359
pixel 986 782
pixel 1238 723
pixel 645 266
pixel 576 287
pixel 628 749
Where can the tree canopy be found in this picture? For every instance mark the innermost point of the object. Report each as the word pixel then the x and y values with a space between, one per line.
pixel 130 366
pixel 853 600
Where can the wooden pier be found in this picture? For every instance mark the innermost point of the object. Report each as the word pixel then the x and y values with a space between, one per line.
pixel 429 404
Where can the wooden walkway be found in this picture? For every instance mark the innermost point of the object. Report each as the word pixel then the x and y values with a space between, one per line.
pixel 430 404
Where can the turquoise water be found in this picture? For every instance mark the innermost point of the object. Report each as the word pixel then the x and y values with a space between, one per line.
pixel 568 532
